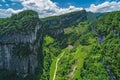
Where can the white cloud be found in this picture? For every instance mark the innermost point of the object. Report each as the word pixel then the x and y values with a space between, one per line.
pixel 3 1
pixel 48 8
pixel 0 5
pixel 7 5
pixel 8 12
pixel 43 7
pixel 104 7
pixel 16 0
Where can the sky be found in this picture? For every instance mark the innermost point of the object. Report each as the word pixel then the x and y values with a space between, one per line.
pixel 47 8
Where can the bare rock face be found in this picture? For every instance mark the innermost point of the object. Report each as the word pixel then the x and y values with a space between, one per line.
pixel 10 61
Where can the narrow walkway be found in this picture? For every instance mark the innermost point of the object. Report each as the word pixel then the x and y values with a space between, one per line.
pixel 57 65
pixel 71 75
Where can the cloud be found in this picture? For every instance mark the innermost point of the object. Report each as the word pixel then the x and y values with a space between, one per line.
pixel 44 8
pixel 104 7
pixel 3 1
pixel 6 13
pixel 16 0
pixel 47 8
pixel 0 5
pixel 7 5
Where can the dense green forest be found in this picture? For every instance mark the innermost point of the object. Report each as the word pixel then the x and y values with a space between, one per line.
pixel 103 59
pixel 88 50
pixel 19 23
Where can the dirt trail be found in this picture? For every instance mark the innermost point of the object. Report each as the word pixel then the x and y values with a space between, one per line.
pixel 71 75
pixel 57 65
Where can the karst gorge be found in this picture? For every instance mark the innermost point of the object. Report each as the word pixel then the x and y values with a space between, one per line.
pixel 79 45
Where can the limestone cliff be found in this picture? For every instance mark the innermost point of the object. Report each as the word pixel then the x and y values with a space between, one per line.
pixel 10 61
pixel 18 51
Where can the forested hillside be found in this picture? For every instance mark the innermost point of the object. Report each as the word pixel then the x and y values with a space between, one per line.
pixel 18 23
pixel 75 46
pixel 103 61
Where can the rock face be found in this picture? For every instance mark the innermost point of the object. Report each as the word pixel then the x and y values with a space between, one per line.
pixel 20 37
pixel 11 56
pixel 12 62
pixel 66 20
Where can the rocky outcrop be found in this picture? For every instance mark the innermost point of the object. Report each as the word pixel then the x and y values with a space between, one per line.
pixel 12 44
pixel 66 20
pixel 10 61
pixel 20 37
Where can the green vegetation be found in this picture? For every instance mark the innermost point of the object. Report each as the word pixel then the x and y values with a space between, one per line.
pixel 93 68
pixel 61 16
pixel 89 59
pixel 22 50
pixel 79 40
pixel 10 75
pixel 92 48
pixel 109 23
pixel 51 49
pixel 64 20
pixel 52 68
pixel 19 23
pixel 102 63
pixel 91 17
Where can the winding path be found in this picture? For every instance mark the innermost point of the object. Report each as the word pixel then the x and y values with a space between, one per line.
pixel 57 65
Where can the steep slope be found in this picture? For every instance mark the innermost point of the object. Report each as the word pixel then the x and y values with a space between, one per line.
pixel 103 59
pixel 95 50
pixel 30 47
pixel 54 42
pixel 91 17
pixel 17 35
pixel 22 48
pixel 78 40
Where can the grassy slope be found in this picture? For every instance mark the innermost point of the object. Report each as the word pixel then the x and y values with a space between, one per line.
pixel 80 55
pixel 53 65
pixel 72 57
pixel 52 68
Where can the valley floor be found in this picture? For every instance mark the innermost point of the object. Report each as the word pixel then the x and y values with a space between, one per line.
pixel 72 61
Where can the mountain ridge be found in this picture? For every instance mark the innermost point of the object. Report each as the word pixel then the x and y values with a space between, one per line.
pixel 29 45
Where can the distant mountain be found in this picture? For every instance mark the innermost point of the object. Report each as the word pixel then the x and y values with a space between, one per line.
pixel 91 17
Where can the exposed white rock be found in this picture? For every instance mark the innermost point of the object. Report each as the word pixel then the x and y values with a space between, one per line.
pixel 12 62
